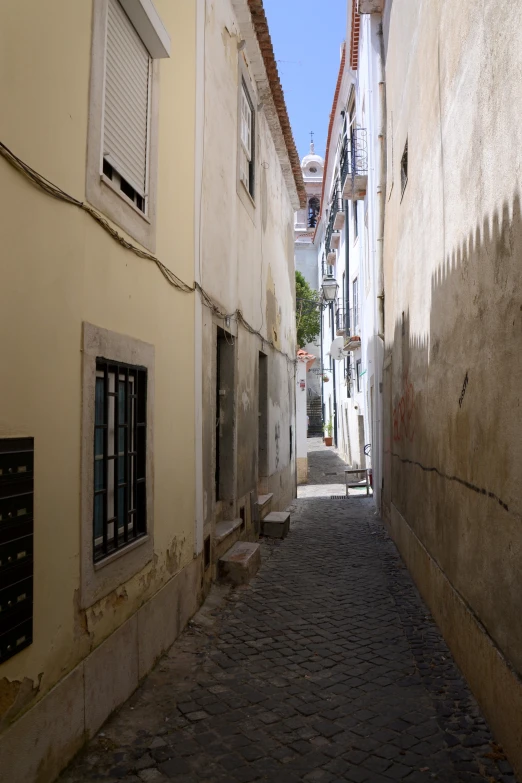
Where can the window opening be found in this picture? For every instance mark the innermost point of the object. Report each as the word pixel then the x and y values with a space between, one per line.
pixel 355 304
pixel 263 417
pixel 313 212
pixel 247 141
pixel 358 374
pixel 404 168
pixel 206 553
pixel 126 107
pixel 224 438
pixel 120 433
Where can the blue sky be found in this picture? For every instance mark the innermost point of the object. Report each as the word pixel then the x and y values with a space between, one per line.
pixel 307 38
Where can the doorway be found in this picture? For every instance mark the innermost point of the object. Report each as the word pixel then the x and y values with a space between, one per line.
pixel 262 437
pixel 224 437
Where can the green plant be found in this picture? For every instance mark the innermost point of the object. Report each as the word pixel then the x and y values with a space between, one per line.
pixel 328 427
pixel 307 311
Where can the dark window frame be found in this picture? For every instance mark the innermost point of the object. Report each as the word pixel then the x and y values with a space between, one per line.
pixel 358 365
pixel 404 169
pixel 251 166
pixel 314 205
pixel 128 451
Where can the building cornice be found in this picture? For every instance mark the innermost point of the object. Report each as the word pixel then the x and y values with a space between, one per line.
pixel 355 31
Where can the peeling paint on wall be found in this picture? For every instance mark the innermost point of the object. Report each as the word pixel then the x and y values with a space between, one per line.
pixel 15 695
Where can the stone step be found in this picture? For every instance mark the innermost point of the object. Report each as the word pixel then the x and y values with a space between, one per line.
pixel 265 504
pixel 276 524
pixel 240 563
pixel 225 529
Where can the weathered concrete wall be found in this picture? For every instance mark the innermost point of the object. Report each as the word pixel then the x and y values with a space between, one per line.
pixel 247 265
pixel 453 244
pixel 61 269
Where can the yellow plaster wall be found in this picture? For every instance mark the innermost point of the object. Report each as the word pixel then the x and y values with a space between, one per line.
pixel 59 268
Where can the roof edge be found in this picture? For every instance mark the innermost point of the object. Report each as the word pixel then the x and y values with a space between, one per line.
pixel 264 41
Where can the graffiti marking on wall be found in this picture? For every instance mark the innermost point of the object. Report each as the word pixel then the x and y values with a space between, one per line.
pixel 463 392
pixel 404 414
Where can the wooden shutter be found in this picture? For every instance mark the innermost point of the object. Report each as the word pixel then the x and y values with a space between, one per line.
pixel 126 110
pixel 245 156
pixel 246 124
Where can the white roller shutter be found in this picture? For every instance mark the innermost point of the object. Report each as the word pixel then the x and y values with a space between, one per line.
pixel 126 110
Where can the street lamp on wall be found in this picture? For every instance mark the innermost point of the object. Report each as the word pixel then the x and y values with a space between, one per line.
pixel 329 286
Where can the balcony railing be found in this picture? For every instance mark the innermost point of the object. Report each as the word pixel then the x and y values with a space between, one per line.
pixel 347 321
pixel 354 165
pixel 341 321
pixel 336 215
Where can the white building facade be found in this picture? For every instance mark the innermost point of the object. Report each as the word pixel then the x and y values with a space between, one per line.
pixel 349 245
pixel 306 221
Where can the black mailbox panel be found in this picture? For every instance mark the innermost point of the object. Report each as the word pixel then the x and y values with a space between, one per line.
pixel 16 545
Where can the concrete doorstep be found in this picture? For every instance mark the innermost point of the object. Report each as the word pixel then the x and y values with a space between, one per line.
pixel 240 563
pixel 276 524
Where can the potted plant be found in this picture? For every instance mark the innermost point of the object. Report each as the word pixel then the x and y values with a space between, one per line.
pixel 325 378
pixel 328 430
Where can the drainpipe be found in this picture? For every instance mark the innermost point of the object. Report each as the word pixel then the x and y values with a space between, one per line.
pixel 347 279
pixel 377 458
pixel 381 187
pixel 334 381
pixel 322 367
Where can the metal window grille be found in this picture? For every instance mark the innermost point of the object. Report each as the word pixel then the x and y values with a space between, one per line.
pixel 120 445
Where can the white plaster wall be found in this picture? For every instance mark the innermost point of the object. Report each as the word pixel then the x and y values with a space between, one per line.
pixel 453 244
pixel 247 261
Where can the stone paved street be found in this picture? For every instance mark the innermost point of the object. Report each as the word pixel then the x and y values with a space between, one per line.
pixel 327 668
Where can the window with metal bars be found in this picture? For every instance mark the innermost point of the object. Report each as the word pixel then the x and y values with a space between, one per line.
pixel 120 444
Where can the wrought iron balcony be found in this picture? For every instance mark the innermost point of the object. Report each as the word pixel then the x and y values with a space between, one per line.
pixel 354 165
pixel 335 240
pixel 341 321
pixel 352 330
pixel 335 219
pixel 338 207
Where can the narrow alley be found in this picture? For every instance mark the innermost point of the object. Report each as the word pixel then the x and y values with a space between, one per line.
pixel 327 667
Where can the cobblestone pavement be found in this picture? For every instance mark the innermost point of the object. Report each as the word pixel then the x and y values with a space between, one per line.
pixel 327 668
pixel 325 472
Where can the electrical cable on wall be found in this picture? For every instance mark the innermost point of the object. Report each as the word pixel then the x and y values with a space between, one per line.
pixel 53 190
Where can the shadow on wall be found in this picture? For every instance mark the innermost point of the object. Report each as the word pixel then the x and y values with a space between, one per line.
pixel 453 436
